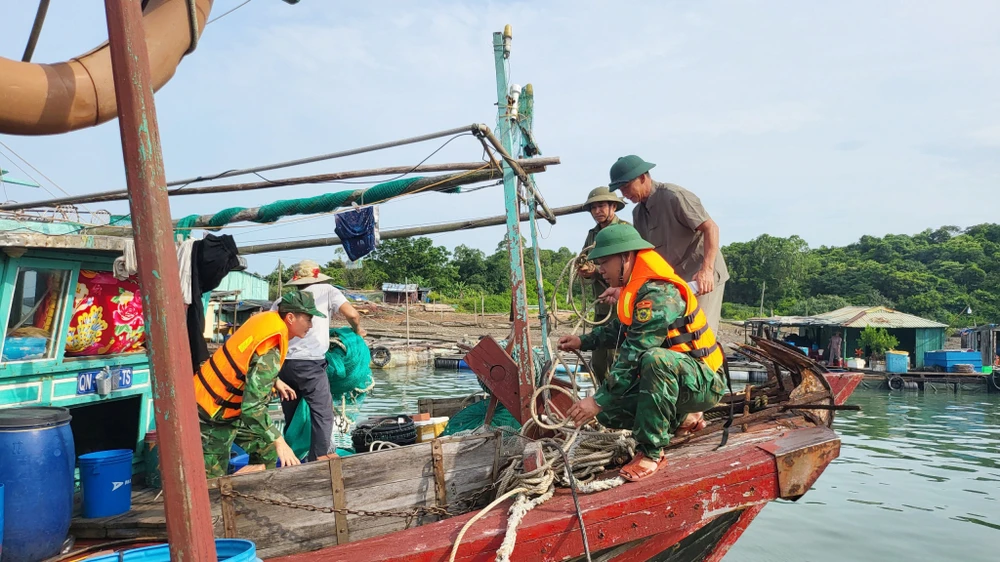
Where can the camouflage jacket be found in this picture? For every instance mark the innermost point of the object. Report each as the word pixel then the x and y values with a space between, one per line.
pixel 261 375
pixel 596 282
pixel 648 330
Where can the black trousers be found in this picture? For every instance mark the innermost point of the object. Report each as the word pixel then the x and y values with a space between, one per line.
pixel 308 379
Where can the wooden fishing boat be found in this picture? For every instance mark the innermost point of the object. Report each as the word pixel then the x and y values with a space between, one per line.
pixel 423 502
pixel 395 505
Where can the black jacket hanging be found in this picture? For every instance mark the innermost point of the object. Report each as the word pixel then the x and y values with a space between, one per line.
pixel 211 260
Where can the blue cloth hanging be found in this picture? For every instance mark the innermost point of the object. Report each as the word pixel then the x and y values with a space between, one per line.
pixel 358 231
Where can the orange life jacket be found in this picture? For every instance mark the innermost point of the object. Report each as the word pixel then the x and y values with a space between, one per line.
pixel 219 382
pixel 688 334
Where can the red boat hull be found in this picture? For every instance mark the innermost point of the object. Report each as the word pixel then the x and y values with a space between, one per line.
pixel 693 509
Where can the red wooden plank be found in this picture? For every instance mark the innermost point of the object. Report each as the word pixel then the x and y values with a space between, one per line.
pixel 657 544
pixel 696 489
pixel 734 532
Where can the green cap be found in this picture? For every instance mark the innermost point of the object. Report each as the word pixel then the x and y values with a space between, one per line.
pixel 299 302
pixel 617 239
pixel 626 169
pixel 603 194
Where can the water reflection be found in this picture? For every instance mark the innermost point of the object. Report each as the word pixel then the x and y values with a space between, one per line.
pixel 916 480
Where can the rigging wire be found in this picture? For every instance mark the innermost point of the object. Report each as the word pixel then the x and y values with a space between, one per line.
pixel 224 14
pixel 375 182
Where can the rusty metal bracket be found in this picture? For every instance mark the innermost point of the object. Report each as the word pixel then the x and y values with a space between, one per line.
pixel 801 456
pixel 437 457
pixel 499 373
pixel 339 501
pixel 228 509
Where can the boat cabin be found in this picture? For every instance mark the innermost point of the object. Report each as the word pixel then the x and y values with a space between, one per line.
pixel 74 334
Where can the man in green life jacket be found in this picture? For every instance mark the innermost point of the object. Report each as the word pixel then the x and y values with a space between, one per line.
pixel 602 205
pixel 669 366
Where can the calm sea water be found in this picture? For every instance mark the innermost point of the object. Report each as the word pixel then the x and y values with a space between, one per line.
pixel 918 477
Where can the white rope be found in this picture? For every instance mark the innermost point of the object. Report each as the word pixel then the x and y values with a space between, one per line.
pixel 521 506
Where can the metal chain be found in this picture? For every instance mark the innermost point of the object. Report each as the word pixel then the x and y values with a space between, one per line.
pixel 415 512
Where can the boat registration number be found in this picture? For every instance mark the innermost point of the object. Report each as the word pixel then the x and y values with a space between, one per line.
pixel 86 382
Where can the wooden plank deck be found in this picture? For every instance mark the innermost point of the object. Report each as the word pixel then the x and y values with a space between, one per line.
pixel 145 519
pixel 447 471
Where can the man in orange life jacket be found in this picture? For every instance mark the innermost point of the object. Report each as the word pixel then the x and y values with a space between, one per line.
pixel 233 388
pixel 669 366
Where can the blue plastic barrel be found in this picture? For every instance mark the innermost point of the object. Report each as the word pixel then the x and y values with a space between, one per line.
pixel 36 471
pixel 227 550
pixel 1 521
pixel 238 458
pixel 106 479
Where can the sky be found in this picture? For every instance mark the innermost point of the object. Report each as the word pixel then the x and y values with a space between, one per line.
pixel 829 120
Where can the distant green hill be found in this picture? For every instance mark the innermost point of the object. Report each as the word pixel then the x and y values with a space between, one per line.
pixel 937 274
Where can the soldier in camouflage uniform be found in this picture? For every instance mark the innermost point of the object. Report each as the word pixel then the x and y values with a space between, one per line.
pixel 253 430
pixel 602 206
pixel 662 379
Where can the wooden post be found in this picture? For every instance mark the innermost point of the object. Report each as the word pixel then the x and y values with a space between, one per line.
pixel 281 273
pixel 406 298
pixel 185 489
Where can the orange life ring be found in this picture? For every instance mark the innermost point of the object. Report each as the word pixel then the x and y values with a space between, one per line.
pixel 46 99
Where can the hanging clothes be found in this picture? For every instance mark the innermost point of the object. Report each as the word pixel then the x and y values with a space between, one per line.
pixel 358 231
pixel 126 266
pixel 212 258
pixel 184 263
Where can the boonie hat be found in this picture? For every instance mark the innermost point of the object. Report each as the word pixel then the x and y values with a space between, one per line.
pixel 306 273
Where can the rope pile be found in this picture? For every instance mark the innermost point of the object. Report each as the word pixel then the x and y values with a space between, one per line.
pixel 573 458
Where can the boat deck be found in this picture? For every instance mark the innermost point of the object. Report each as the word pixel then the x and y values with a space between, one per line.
pixel 145 519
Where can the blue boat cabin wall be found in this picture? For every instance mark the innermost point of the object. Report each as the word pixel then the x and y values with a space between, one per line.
pixel 118 420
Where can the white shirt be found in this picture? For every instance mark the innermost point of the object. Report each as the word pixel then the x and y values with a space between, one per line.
pixel 316 342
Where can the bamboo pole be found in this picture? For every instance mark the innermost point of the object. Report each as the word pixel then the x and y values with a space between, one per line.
pixel 401 232
pixel 434 183
pixel 533 165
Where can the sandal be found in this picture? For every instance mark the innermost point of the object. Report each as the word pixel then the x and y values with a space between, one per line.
pixel 694 426
pixel 633 473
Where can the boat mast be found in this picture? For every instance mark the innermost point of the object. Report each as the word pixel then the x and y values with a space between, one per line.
pixel 518 288
pixel 189 522
pixel 525 117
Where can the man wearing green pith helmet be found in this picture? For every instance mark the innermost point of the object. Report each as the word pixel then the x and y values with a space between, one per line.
pixel 675 222
pixel 602 206
pixel 669 367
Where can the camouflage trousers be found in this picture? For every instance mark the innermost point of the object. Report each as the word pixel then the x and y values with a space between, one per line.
pixel 669 386
pixel 601 359
pixel 217 441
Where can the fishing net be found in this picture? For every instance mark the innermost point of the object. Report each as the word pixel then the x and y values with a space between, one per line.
pixel 472 417
pixel 348 368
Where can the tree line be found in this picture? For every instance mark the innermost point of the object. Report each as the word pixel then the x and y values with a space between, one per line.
pixel 939 274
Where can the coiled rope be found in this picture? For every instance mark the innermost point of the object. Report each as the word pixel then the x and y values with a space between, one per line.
pixel 574 458
pixel 570 269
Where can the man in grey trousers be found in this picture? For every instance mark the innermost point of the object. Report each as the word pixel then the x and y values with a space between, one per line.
pixel 303 375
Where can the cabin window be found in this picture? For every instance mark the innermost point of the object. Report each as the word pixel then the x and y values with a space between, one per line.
pixel 36 314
